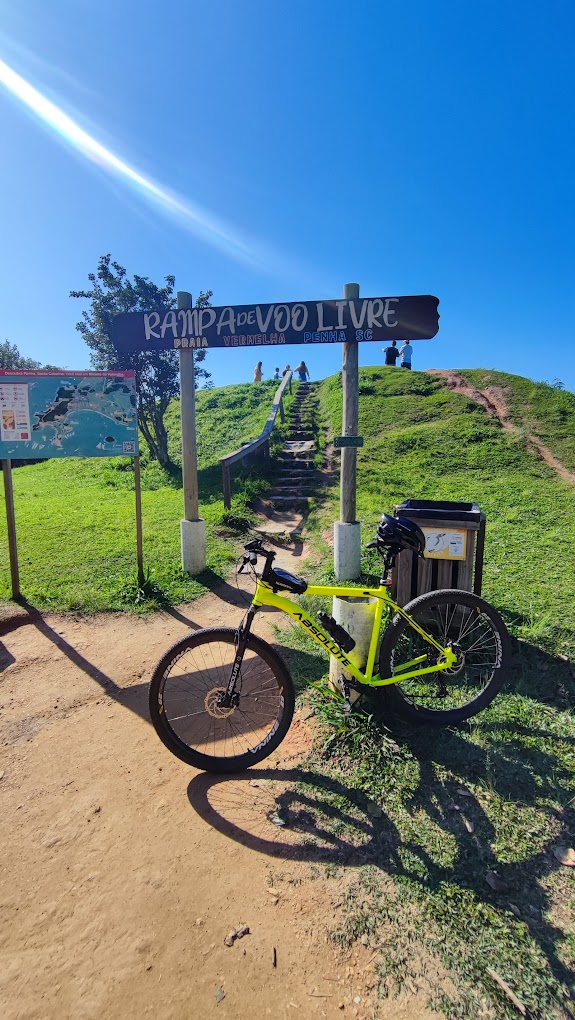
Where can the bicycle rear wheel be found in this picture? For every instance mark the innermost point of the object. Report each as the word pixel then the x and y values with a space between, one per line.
pixel 483 648
pixel 184 693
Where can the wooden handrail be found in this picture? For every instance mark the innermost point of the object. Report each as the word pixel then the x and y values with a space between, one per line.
pixel 262 440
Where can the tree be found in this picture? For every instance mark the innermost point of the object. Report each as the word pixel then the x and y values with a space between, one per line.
pixel 10 357
pixel 157 375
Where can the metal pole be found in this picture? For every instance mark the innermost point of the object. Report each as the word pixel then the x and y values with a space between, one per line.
pixel 139 536
pixel 192 527
pixel 11 522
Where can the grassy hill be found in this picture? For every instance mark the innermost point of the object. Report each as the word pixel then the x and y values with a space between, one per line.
pixel 424 441
pixel 537 407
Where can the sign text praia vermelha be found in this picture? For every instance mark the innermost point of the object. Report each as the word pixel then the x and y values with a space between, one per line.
pixel 297 322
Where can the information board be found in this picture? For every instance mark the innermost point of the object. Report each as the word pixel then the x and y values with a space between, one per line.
pixel 67 414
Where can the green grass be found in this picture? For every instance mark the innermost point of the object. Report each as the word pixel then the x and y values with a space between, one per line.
pixel 537 407
pixel 419 898
pixel 419 884
pixel 424 441
pixel 76 517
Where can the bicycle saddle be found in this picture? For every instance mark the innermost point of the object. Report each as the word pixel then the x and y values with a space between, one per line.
pixel 282 581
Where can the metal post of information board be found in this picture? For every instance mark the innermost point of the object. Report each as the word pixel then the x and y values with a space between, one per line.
pixel 11 522
pixel 347 531
pixel 193 527
pixel 139 536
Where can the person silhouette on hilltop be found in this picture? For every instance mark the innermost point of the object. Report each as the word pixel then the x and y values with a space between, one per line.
pixel 406 350
pixel 391 353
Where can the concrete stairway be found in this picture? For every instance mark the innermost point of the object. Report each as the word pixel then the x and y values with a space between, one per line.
pixel 297 478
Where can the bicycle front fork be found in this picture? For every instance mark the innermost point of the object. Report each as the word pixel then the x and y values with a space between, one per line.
pixel 230 697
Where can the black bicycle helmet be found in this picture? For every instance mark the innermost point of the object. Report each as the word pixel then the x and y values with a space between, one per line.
pixel 398 533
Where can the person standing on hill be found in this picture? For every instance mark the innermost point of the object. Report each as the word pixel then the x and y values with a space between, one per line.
pixel 406 350
pixel 303 371
pixel 391 353
pixel 258 372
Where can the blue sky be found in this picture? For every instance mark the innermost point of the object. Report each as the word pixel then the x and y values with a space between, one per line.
pixel 419 147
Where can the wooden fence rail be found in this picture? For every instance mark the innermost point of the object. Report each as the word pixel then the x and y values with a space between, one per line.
pixel 259 446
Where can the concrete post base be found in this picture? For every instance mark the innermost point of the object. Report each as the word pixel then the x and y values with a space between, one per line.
pixel 356 617
pixel 347 550
pixel 193 535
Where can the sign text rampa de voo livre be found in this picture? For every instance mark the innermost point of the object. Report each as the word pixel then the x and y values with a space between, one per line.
pixel 297 322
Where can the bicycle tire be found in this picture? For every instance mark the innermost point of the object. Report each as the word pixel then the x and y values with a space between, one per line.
pixel 413 699
pixel 187 680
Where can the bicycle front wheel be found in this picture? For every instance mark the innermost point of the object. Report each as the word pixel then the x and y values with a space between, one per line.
pixel 478 637
pixel 184 701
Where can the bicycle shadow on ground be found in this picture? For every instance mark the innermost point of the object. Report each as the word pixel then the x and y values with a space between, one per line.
pixel 300 814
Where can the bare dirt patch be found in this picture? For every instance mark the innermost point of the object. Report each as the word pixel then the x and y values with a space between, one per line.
pixel 117 889
pixel 493 399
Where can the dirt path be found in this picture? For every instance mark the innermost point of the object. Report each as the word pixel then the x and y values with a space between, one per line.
pixel 123 870
pixel 494 401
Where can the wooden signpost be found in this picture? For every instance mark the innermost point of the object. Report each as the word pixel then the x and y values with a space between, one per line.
pixel 349 321
pixel 11 523
pixel 192 527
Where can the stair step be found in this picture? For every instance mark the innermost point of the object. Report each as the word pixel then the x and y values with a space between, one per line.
pixel 288 500
pixel 294 490
pixel 296 457
pixel 295 476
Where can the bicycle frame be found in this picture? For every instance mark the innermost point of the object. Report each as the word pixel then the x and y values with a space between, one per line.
pixel 265 596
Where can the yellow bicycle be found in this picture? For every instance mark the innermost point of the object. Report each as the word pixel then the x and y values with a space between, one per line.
pixel 222 699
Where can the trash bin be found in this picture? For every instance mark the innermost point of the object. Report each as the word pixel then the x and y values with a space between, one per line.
pixel 455 540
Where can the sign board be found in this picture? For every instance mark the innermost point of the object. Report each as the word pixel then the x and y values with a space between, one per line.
pixel 67 414
pixel 445 544
pixel 340 441
pixel 299 322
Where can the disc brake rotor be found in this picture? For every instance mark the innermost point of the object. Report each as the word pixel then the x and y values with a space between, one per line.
pixel 212 706
pixel 459 663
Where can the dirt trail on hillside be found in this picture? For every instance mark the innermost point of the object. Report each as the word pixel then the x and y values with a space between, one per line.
pixel 123 870
pixel 494 401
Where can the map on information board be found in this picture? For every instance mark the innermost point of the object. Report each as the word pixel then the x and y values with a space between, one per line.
pixel 67 414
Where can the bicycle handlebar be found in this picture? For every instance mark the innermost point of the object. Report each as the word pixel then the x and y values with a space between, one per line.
pixel 253 549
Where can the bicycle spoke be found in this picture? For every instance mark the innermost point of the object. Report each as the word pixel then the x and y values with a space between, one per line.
pixel 473 637
pixel 195 707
